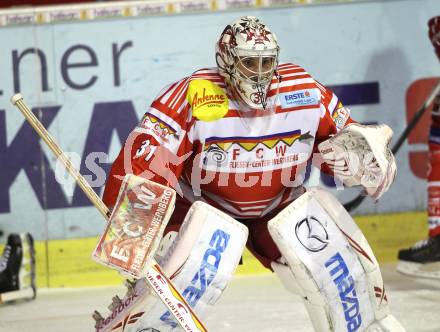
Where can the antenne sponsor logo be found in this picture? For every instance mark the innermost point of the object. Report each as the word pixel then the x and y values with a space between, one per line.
pixel 207 99
pixel 347 293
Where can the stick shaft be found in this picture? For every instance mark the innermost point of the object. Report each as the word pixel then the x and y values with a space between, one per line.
pixel 18 101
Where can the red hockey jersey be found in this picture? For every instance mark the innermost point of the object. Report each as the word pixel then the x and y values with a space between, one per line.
pixel 194 139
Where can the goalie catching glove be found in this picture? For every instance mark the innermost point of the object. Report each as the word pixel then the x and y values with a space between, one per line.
pixel 360 155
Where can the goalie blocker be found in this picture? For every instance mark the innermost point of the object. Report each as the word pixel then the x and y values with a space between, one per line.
pixel 329 263
pixel 136 226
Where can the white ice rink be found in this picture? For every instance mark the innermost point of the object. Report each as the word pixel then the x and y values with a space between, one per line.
pixel 251 303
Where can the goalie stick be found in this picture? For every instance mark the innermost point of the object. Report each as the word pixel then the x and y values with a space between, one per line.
pixel 355 202
pixel 165 290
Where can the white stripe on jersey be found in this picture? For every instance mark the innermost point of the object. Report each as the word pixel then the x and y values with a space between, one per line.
pixel 165 118
pixel 323 90
pixel 165 98
pixel 287 66
pixel 295 82
pixel 188 193
pixel 206 71
pixel 190 134
pixel 168 93
pixel 333 103
pixel 230 208
pixel 179 92
pixel 256 207
pixel 241 211
pixel 182 106
pixel 209 74
pixel 276 202
pixel 292 75
pixel 250 202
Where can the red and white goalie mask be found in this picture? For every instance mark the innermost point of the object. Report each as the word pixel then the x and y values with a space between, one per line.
pixel 434 33
pixel 247 57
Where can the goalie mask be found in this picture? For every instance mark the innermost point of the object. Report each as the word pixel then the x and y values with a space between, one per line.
pixel 247 58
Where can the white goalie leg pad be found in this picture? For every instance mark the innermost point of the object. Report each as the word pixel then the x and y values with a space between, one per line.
pixel 283 272
pixel 200 262
pixel 332 264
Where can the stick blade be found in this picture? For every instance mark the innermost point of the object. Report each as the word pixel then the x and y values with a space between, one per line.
pixel 136 226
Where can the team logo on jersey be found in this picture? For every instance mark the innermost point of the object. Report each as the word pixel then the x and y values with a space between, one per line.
pixel 250 143
pixel 159 128
pixel 299 98
pixel 215 156
pixel 340 115
pixel 208 101
pixel 255 153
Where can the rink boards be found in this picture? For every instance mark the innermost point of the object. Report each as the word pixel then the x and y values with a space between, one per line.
pixel 70 265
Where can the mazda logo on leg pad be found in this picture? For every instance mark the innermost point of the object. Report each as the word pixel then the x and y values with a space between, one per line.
pixel 312 234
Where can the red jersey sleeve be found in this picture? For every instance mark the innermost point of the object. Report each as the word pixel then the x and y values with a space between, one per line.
pixel 334 117
pixel 158 147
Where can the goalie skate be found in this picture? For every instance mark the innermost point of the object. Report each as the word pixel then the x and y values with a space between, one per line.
pixel 17 269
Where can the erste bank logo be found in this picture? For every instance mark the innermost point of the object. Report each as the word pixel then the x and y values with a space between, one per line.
pixel 299 98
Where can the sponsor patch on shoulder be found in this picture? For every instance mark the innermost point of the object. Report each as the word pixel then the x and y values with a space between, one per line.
pixel 299 98
pixel 158 128
pixel 208 101
pixel 340 116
